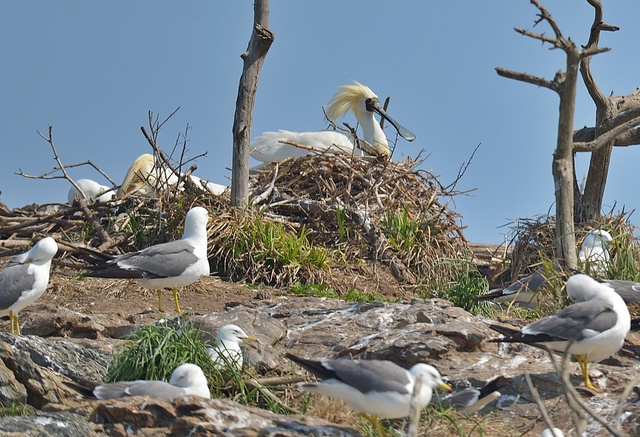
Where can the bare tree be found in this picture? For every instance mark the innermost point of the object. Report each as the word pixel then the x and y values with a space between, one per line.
pixel 615 119
pixel 261 40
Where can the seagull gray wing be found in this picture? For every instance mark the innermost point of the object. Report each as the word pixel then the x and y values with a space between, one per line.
pixel 14 280
pixel 157 389
pixel 577 322
pixel 160 261
pixel 628 290
pixel 371 375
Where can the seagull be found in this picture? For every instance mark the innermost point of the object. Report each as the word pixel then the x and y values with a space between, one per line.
pixel 227 351
pixel 169 265
pixel 593 329
pixel 92 190
pixel 357 98
pixel 521 293
pixel 594 255
pixel 470 400
pixel 186 379
pixel 372 387
pixel 25 279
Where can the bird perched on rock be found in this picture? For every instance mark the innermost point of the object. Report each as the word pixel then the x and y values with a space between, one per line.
pixel 372 387
pixel 25 279
pixel 593 329
pixel 186 379
pixel 357 98
pixel 168 265
pixel 227 351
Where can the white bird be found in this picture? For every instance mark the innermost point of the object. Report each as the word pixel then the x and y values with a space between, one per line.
pixel 146 176
pixel 594 328
pixel 552 432
pixel 357 98
pixel 227 351
pixel 594 255
pixel 168 265
pixel 186 379
pixel 25 279
pixel 93 191
pixel 373 387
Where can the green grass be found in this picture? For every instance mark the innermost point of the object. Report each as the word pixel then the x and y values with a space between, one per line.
pixel 156 350
pixel 16 409
pixel 352 295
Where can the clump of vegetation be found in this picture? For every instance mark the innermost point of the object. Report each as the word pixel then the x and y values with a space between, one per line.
pixel 154 351
pixel 16 409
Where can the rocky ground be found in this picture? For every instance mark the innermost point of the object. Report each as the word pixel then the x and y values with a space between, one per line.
pixel 70 334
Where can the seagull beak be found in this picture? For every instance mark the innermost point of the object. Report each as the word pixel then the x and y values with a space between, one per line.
pixel 445 387
pixel 249 341
pixel 374 106
pixel 30 260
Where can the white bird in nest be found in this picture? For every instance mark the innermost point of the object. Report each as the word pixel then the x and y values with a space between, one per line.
pixel 357 98
pixel 147 176
pixel 93 191
pixel 227 351
pixel 594 255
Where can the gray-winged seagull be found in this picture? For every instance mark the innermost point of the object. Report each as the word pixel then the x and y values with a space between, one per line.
pixel 168 265
pixel 372 387
pixel 594 328
pixel 25 279
pixel 186 379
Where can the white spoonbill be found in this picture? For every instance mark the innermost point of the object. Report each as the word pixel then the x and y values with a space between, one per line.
pixel 93 190
pixel 357 98
pixel 146 175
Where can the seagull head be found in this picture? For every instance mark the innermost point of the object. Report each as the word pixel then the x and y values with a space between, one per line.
pixel 233 334
pixel 187 375
pixel 43 251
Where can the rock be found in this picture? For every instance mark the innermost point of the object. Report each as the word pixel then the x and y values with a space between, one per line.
pixel 195 416
pixel 47 424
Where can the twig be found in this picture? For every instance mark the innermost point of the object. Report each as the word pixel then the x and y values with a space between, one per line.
pixel 49 139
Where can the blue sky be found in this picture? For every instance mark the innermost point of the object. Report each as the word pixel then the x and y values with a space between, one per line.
pixel 93 70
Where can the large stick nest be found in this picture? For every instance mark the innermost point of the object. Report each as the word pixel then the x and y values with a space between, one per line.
pixel 365 219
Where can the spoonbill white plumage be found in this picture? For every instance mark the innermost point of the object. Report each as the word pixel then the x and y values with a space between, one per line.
pixel 356 98
pixel 93 190
pixel 146 175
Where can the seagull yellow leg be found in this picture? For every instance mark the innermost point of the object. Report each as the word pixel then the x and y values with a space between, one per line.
pixel 376 423
pixel 584 363
pixel 15 324
pixel 160 301
pixel 175 298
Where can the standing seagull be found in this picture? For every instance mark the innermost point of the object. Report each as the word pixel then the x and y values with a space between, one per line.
pixel 357 98
pixel 169 265
pixel 186 379
pixel 25 279
pixel 372 387
pixel 593 329
pixel 227 351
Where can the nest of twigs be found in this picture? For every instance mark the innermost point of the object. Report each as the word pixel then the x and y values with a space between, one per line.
pixel 386 213
pixel 534 242
pixel 346 216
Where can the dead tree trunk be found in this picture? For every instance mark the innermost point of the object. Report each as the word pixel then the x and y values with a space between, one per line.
pixel 261 40
pixel 565 84
pixel 609 112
